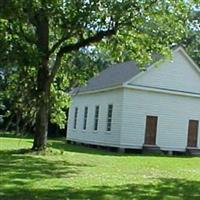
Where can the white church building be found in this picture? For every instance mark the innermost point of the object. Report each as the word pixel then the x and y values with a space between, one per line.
pixel 127 108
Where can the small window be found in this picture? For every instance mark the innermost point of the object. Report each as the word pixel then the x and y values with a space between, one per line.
pixel 109 117
pixel 96 118
pixel 75 117
pixel 85 118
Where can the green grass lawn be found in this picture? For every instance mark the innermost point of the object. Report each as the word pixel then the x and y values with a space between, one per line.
pixel 74 172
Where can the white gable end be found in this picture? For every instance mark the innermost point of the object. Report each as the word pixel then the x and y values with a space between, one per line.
pixel 179 74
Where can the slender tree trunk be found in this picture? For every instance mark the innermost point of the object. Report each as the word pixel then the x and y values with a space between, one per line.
pixel 18 122
pixel 9 123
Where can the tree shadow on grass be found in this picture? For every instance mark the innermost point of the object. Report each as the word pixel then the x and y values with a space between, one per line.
pixel 36 166
pixel 164 189
pixel 79 148
pixel 18 171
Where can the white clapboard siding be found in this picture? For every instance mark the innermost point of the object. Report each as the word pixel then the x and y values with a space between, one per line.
pixel 178 74
pixel 101 137
pixel 173 111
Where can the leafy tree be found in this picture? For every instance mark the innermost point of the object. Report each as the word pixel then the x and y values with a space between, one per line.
pixel 191 41
pixel 75 70
pixel 38 37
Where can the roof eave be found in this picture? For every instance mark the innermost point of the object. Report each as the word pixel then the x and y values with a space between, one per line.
pixel 99 90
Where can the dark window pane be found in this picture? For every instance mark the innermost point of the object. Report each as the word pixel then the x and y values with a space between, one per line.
pixel 96 118
pixel 75 117
pixel 85 118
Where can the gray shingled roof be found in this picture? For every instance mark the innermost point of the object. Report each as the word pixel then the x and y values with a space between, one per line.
pixel 114 75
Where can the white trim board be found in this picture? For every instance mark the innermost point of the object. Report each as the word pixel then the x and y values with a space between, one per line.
pixel 160 90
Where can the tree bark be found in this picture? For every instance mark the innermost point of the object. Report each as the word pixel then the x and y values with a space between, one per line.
pixel 41 130
pixel 40 136
pixel 43 81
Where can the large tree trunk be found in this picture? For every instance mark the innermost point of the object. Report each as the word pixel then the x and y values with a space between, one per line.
pixel 43 81
pixel 40 136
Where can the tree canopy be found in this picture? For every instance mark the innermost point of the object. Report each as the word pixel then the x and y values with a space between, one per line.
pixel 191 41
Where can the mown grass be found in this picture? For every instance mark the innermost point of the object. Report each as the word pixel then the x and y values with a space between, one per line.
pixel 76 172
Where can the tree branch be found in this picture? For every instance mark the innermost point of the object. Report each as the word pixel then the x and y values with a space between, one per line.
pixel 57 44
pixel 76 46
pixel 55 67
pixel 85 42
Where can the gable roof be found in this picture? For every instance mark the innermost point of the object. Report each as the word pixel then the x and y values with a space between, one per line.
pixel 119 74
pixel 114 75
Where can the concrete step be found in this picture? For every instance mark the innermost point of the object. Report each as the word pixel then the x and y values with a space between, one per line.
pixel 193 151
pixel 151 149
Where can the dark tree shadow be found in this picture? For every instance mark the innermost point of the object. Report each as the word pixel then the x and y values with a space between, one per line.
pixel 63 146
pixel 90 149
pixel 78 148
pixel 17 171
pixel 166 189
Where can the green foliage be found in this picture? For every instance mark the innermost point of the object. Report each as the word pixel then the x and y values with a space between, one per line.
pixel 20 86
pixel 75 70
pixel 191 41
pixel 77 39
pixel 60 102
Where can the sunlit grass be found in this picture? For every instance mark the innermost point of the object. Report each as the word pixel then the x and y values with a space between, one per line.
pixel 76 172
